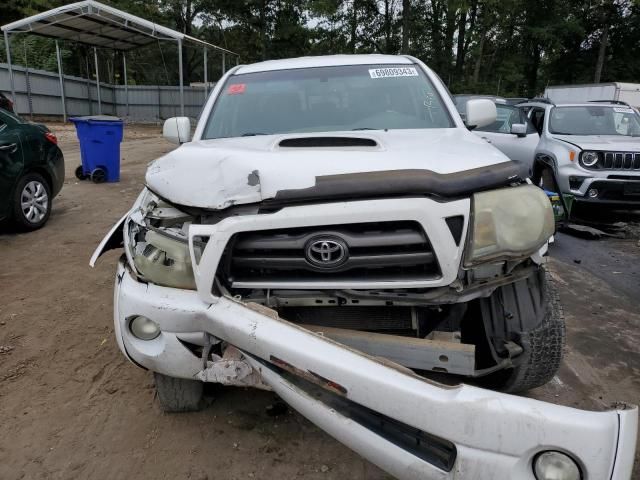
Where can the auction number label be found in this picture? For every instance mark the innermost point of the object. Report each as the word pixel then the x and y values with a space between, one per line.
pixel 393 72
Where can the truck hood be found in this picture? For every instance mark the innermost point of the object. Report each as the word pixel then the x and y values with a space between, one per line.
pixel 215 174
pixel 613 143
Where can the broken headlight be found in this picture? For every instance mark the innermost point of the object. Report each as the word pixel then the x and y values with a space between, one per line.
pixel 162 260
pixel 156 243
pixel 510 222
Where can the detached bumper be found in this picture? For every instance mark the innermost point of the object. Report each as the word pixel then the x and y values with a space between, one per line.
pixel 483 434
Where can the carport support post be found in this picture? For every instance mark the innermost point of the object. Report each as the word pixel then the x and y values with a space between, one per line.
pixel 126 83
pixel 205 75
pixel 181 81
pixel 95 59
pixel 224 63
pixel 8 47
pixel 61 79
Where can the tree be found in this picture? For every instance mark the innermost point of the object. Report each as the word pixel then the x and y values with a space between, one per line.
pixel 511 47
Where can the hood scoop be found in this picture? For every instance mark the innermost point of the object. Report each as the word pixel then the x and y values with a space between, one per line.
pixel 313 142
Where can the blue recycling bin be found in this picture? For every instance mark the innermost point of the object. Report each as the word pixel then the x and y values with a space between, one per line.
pixel 100 137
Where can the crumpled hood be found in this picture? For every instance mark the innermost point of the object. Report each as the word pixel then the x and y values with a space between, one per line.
pixel 216 174
pixel 613 143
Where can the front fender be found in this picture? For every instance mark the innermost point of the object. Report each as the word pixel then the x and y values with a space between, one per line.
pixel 112 240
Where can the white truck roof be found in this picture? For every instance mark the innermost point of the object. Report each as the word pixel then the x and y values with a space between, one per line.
pixel 323 61
pixel 619 91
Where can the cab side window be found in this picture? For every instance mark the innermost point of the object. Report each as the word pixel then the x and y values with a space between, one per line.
pixel 507 116
pixel 537 118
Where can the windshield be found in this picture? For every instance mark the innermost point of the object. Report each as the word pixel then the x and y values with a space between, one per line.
pixel 327 99
pixel 594 120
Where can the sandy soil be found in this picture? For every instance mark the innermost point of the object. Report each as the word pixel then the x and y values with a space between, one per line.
pixel 72 407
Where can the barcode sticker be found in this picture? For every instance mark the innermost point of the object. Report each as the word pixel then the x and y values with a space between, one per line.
pixel 622 109
pixel 393 72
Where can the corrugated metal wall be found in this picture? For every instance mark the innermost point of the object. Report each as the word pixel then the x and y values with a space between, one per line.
pixel 38 93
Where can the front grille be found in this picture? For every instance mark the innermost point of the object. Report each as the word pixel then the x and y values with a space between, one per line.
pixel 380 251
pixel 618 161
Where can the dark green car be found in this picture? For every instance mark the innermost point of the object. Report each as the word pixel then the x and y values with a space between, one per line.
pixel 31 171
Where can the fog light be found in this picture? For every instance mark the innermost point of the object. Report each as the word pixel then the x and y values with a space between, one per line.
pixel 144 328
pixel 555 466
pixel 593 193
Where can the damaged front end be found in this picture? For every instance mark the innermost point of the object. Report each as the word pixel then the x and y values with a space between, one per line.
pixel 192 275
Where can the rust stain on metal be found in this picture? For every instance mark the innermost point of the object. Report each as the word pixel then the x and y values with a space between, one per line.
pixel 309 376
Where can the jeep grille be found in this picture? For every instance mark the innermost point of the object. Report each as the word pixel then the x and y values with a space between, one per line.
pixel 617 161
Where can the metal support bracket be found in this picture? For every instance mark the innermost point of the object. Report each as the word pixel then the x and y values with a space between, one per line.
pixel 415 353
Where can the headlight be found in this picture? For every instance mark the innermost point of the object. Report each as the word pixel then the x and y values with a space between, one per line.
pixel 555 466
pixel 160 258
pixel 156 242
pixel 510 222
pixel 589 159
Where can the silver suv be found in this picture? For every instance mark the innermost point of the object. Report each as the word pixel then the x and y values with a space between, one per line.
pixel 592 148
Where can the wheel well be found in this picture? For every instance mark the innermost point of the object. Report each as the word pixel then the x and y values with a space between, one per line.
pixel 547 160
pixel 508 313
pixel 541 163
pixel 44 173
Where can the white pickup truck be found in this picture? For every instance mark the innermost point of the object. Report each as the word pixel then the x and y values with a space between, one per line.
pixel 331 231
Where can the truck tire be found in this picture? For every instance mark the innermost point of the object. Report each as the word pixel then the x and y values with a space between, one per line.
pixel 179 394
pixel 543 345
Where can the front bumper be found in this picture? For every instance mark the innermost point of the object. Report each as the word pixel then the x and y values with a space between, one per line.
pixel 610 184
pixel 613 193
pixel 495 435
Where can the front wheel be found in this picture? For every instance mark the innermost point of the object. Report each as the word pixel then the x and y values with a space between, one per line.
pixel 530 313
pixel 179 394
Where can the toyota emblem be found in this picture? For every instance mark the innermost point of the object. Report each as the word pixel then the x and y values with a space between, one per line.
pixel 326 252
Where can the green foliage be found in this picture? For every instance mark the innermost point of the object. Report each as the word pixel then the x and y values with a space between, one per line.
pixel 508 47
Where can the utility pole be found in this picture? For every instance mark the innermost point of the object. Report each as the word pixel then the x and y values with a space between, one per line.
pixel 604 38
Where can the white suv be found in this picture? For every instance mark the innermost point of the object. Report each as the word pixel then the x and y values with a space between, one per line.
pixel 333 229
pixel 593 149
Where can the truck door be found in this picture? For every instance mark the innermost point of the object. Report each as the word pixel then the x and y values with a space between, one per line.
pixel 518 147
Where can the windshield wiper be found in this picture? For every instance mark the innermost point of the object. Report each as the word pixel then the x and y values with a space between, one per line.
pixel 252 134
pixel 364 128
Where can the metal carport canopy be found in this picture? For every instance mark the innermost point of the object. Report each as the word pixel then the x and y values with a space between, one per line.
pixel 95 24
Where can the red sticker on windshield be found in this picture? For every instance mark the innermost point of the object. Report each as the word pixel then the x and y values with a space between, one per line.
pixel 236 89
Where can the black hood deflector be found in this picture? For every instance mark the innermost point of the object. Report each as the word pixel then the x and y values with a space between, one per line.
pixel 407 182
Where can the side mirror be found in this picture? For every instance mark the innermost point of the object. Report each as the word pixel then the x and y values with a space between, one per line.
pixel 177 130
pixel 519 129
pixel 480 112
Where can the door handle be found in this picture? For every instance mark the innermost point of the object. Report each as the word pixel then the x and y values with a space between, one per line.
pixel 485 138
pixel 11 148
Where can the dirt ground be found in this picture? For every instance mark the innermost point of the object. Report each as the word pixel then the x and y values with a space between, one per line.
pixel 72 407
